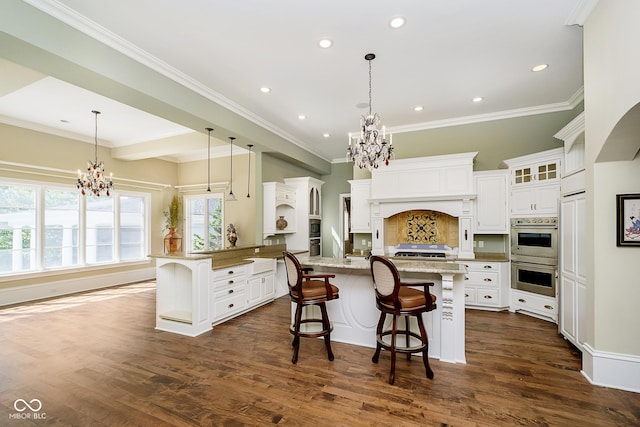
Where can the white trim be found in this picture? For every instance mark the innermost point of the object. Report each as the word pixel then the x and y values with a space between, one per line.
pixel 602 368
pixel 19 294
pixel 581 12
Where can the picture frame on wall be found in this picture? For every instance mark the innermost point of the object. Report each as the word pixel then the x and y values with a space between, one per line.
pixel 628 219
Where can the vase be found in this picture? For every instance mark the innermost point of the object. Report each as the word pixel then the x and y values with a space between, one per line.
pixel 281 223
pixel 172 241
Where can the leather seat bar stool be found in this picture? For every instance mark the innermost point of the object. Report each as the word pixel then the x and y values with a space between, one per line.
pixel 307 290
pixel 398 299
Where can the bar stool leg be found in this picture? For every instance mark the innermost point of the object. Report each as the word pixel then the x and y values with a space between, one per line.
pixel 296 335
pixel 394 325
pixel 376 355
pixel 425 352
pixel 407 321
pixel 327 326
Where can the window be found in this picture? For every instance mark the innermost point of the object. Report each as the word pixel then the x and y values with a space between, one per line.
pixel 204 221
pixel 43 226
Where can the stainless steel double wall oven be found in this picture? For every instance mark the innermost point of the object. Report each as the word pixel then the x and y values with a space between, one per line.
pixel 534 255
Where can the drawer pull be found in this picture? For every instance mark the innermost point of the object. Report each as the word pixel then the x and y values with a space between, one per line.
pixel 488 266
pixel 230 272
pixel 548 307
pixel 522 300
pixel 230 291
pixel 230 305
pixel 466 295
pixel 230 282
pixel 466 278
pixel 488 297
pixel 486 279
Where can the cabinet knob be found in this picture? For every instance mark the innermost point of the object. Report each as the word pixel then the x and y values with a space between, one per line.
pixel 230 291
pixel 230 272
pixel 466 295
pixel 488 297
pixel 548 307
pixel 230 282
pixel 230 305
pixel 486 279
pixel 488 266
pixel 522 300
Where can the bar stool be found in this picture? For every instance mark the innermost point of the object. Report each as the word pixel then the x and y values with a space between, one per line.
pixel 398 300
pixel 305 290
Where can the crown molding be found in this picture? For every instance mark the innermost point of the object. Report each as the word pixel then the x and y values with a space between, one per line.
pixel 581 12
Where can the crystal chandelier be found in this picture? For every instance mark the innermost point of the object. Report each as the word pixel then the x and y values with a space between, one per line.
pixel 371 147
pixel 93 181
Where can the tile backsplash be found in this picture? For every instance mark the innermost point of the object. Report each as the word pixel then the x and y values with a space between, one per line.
pixel 421 227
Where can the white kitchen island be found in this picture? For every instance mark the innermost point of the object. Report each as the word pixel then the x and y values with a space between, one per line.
pixel 355 316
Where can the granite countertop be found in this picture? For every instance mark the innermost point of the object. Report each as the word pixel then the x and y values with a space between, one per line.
pixel 402 265
pixel 229 257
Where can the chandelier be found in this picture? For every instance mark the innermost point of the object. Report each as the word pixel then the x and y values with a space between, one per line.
pixel 371 146
pixel 93 181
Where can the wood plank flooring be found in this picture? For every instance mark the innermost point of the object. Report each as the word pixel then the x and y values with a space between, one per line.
pixel 95 359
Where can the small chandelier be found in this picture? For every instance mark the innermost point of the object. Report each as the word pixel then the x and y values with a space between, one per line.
pixel 371 147
pixel 93 181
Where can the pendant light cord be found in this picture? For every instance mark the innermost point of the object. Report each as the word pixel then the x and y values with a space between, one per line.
pixel 95 134
pixel 249 171
pixel 209 160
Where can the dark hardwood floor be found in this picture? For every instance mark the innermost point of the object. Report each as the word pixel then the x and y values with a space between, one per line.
pixel 95 359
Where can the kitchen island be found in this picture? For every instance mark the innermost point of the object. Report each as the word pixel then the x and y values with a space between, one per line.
pixel 355 316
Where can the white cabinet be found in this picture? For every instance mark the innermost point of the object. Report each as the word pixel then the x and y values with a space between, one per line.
pixel 260 288
pixel 573 269
pixel 279 201
pixel 486 285
pixel 535 183
pixel 360 207
pixel 539 200
pixel 492 208
pixel 228 292
pixel 534 304
pixel 308 206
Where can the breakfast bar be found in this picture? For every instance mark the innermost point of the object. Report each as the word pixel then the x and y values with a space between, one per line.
pixel 354 315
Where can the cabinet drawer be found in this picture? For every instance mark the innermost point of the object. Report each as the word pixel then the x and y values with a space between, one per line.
pixel 225 275
pixel 231 305
pixel 482 278
pixel 488 297
pixel 482 266
pixel 228 292
pixel 470 296
pixel 545 306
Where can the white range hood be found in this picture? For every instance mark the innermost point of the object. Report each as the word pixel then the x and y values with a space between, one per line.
pixel 437 183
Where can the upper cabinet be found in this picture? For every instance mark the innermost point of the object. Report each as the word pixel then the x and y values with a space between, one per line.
pixel 573 178
pixel 360 207
pixel 279 204
pixel 492 207
pixel 535 183
pixel 308 206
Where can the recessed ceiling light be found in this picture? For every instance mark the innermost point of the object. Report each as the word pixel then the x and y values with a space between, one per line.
pixel 325 43
pixel 540 67
pixel 397 22
pixel 326 135
pixel 418 108
pixel 302 117
pixel 265 89
pixel 477 99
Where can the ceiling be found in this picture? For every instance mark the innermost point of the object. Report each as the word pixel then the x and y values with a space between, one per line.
pixel 448 52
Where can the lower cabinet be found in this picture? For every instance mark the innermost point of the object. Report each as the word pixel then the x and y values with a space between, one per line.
pixel 537 305
pixel 235 290
pixel 228 292
pixel 486 285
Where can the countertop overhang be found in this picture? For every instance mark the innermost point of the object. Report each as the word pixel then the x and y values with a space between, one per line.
pixel 421 266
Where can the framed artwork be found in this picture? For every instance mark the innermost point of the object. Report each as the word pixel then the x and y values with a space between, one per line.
pixel 628 219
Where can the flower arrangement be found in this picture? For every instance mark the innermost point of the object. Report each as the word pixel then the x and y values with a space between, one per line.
pixel 232 235
pixel 173 215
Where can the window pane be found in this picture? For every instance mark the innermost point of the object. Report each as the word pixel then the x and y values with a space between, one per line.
pixel 17 228
pixel 204 220
pixel 132 228
pixel 215 223
pixel 61 219
pixel 100 215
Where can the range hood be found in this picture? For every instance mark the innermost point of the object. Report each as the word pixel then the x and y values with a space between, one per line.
pixel 437 183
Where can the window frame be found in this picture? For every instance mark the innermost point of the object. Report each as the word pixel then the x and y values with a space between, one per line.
pixel 186 207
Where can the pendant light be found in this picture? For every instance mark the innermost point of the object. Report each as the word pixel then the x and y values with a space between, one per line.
pixel 209 159
pixel 93 182
pixel 231 197
pixel 249 171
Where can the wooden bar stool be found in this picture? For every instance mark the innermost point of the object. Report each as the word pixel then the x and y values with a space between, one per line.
pixel 306 290
pixel 399 300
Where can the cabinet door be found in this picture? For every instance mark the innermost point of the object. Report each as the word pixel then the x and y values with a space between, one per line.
pixel 491 204
pixel 546 200
pixel 268 286
pixel 360 210
pixel 254 287
pixel 521 201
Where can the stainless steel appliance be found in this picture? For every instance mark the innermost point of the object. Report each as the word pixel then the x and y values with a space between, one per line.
pixel 534 255
pixel 534 237
pixel 422 251
pixel 314 228
pixel 314 247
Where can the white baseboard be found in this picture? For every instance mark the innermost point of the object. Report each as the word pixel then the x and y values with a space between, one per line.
pixel 613 370
pixel 20 294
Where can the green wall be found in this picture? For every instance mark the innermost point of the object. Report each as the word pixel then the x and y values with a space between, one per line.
pixel 334 184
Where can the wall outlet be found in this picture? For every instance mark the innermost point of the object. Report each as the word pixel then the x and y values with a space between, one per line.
pixel 481 243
